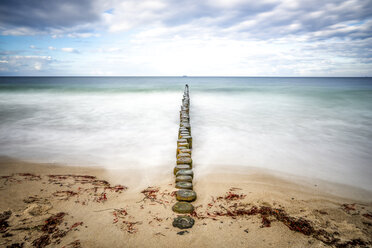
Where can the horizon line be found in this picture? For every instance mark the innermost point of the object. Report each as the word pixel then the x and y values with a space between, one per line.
pixel 3 76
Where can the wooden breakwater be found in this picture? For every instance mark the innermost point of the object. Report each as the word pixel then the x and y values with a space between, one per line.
pixel 183 170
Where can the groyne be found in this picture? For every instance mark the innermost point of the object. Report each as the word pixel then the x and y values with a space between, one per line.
pixel 183 170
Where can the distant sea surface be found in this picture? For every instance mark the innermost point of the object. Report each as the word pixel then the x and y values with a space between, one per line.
pixel 313 127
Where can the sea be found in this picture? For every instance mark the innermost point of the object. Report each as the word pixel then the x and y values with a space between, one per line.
pixel 312 127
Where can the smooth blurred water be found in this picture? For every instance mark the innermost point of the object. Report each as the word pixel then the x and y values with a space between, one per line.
pixel 314 127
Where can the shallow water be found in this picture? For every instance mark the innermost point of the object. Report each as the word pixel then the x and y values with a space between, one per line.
pixel 314 127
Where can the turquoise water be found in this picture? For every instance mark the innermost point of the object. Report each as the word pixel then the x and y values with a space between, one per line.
pixel 313 127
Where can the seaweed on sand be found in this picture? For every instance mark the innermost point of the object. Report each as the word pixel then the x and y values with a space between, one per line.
pixel 267 214
pixel 51 231
pixel 4 221
pixel 52 222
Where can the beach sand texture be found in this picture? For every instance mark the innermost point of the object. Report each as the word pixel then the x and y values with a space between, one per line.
pixel 48 205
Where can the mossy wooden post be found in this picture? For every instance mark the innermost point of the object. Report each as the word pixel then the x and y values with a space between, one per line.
pixel 183 169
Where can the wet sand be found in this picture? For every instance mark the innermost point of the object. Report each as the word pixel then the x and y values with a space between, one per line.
pixel 48 205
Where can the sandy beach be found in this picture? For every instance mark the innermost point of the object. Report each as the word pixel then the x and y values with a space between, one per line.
pixel 49 205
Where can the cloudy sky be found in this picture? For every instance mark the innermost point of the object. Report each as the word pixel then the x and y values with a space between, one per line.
pixel 193 37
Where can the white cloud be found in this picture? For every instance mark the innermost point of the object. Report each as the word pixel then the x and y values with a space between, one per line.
pixel 69 50
pixel 27 65
pixel 109 50
pixel 132 13
pixel 228 4
pixel 82 35
pixel 161 51
pixel 221 37
pixel 21 31
pixel 38 66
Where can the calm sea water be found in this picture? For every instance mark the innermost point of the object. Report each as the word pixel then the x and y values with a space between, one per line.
pixel 314 127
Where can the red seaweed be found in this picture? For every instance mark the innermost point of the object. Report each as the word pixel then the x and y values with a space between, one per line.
pixel 42 241
pixel 348 207
pixel 101 198
pixel 116 188
pixel 74 244
pixel 76 225
pixel 52 222
pixel 368 216
pixel 150 193
pixel 4 221
pixel 64 194
pixel 300 224
pixel 131 226
pixel 30 176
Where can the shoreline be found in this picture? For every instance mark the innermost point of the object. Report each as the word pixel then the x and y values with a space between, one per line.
pixel 303 183
pixel 111 215
pixel 139 178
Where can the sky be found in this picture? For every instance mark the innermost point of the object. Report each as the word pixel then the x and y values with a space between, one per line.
pixel 193 37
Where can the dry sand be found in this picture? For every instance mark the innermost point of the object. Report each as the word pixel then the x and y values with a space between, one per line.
pixel 62 206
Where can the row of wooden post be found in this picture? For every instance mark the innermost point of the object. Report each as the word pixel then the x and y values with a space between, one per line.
pixel 183 170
